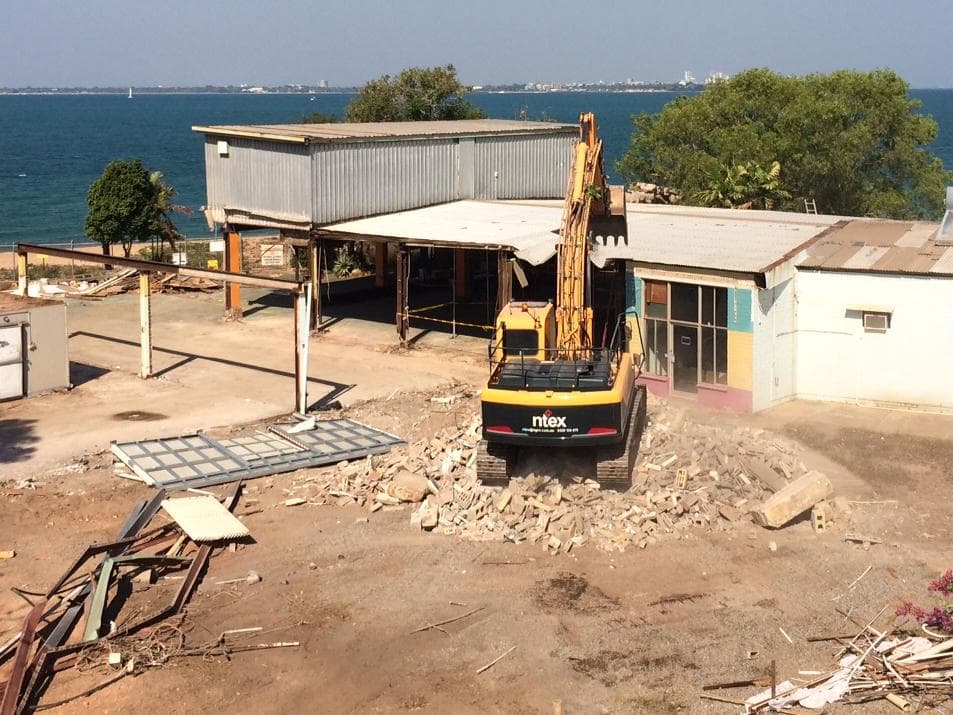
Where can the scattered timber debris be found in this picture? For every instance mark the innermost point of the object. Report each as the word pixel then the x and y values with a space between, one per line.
pixel 688 476
pixel 127 281
pixel 67 626
pixel 902 669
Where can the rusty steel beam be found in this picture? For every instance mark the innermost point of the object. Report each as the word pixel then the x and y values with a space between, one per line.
pixel 11 695
pixel 23 249
pixel 233 264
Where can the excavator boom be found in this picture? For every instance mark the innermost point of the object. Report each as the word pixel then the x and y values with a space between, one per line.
pixel 587 196
pixel 549 385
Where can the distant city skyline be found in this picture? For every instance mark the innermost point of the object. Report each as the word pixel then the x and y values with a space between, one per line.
pixel 230 42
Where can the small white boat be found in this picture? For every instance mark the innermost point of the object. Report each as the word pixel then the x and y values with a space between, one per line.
pixel 130 93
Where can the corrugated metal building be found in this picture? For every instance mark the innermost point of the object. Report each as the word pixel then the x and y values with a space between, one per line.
pixel 741 309
pixel 302 176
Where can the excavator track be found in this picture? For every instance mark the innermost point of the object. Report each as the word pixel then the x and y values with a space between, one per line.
pixel 614 464
pixel 494 462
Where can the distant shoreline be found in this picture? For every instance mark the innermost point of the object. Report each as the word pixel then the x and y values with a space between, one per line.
pixel 339 91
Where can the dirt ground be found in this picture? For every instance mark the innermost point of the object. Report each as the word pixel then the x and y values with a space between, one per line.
pixel 635 632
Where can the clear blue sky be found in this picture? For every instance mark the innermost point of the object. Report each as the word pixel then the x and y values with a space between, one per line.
pixel 346 42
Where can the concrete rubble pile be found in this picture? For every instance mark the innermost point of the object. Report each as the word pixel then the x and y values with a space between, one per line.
pixel 643 193
pixel 688 475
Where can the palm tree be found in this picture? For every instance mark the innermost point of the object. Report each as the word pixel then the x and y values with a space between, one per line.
pixel 745 186
pixel 167 231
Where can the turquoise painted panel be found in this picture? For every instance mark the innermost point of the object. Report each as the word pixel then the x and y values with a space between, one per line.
pixel 633 294
pixel 739 310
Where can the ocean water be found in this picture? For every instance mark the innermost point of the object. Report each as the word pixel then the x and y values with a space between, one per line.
pixel 53 147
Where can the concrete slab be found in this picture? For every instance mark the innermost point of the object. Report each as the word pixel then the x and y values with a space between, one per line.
pixel 209 373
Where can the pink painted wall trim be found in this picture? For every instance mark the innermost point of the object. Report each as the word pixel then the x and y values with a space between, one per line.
pixel 655 384
pixel 727 399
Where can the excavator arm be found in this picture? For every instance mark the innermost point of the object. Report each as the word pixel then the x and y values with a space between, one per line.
pixel 588 197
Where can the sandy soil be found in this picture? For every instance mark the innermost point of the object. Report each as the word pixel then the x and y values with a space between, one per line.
pixel 640 631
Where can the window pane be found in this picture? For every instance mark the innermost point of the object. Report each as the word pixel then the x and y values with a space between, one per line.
pixel 708 305
pixel 721 357
pixel 721 307
pixel 685 302
pixel 714 306
pixel 708 355
pixel 656 347
pixel 516 342
pixel 714 356
pixel 656 310
pixel 656 292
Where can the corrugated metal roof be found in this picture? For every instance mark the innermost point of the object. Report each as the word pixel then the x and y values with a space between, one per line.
pixel 725 240
pixel 717 239
pixel 374 131
pixel 881 247
pixel 492 224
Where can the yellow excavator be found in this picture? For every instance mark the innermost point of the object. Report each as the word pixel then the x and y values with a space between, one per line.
pixel 549 386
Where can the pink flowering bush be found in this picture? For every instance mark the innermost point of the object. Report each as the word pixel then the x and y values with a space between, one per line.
pixel 940 617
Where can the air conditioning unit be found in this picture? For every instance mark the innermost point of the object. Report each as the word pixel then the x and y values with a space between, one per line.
pixel 876 322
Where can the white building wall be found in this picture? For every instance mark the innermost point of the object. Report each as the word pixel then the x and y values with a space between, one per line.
pixel 909 365
pixel 774 317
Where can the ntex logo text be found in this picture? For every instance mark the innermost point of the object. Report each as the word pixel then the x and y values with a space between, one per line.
pixel 548 420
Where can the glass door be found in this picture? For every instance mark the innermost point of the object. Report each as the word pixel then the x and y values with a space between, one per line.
pixel 685 358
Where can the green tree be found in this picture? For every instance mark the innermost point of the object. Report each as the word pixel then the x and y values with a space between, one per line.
pixel 416 94
pixel 122 206
pixel 853 141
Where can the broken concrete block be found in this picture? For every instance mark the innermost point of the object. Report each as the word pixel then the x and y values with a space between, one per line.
pixel 793 500
pixel 408 486
pixel 429 515
pixel 822 516
pixel 729 512
pixel 294 501
pixel 764 474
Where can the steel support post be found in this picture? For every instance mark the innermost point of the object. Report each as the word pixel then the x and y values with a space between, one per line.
pixel 314 263
pixel 302 342
pixel 504 280
pixel 145 325
pixel 21 273
pixel 403 288
pixel 233 264
pixel 380 264
pixel 461 273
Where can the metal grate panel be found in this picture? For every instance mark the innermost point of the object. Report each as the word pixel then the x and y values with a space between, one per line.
pixel 196 460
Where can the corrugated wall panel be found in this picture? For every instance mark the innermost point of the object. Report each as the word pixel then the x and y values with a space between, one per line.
pixel 530 166
pixel 354 180
pixel 263 177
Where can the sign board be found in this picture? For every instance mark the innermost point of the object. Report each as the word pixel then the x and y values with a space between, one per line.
pixel 216 246
pixel 273 255
pixel 180 258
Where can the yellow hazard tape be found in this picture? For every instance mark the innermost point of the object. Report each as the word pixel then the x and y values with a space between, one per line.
pixel 446 322
pixel 428 307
